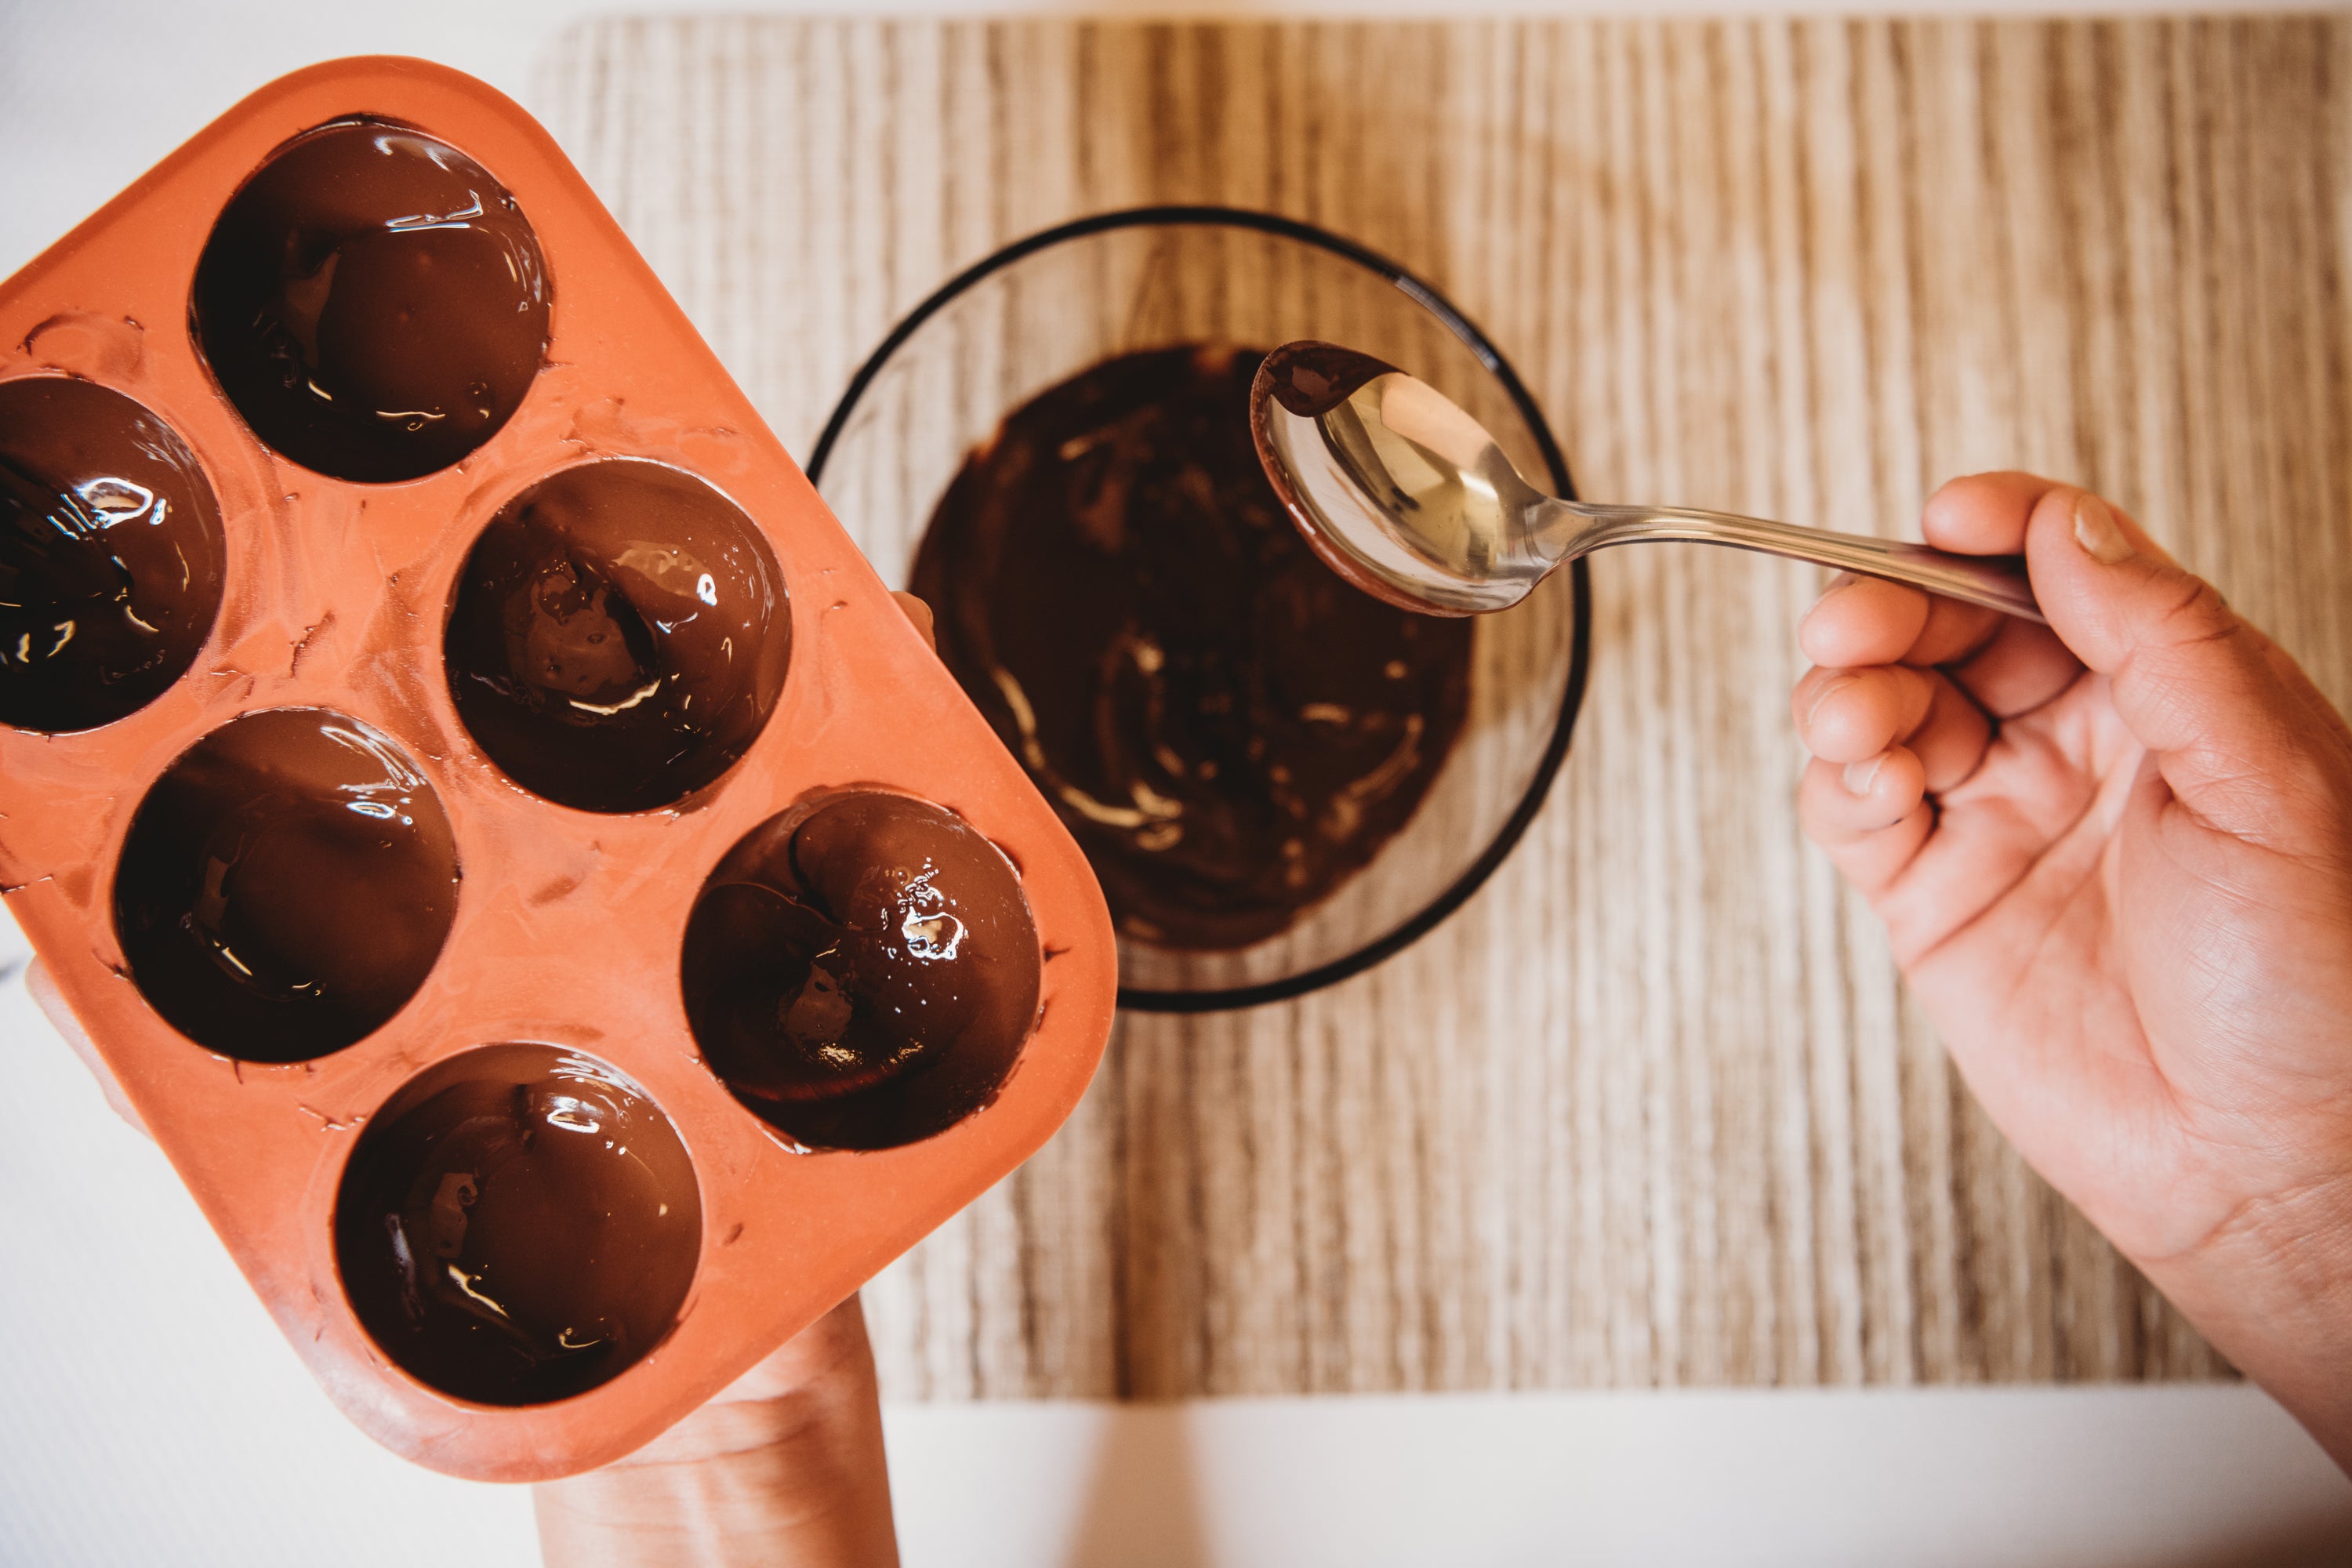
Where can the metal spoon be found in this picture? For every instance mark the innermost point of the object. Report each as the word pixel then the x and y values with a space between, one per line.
pixel 1409 498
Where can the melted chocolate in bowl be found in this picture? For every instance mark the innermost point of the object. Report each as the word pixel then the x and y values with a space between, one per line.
pixel 519 1225
pixel 286 886
pixel 111 555
pixel 1229 730
pixel 864 973
pixel 372 302
pixel 619 637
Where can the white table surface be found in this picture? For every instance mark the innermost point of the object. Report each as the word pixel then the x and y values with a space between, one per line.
pixel 150 1413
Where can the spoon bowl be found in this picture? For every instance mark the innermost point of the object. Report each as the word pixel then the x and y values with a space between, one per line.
pixel 1409 498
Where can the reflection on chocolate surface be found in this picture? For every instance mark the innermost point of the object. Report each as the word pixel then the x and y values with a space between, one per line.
pixel 519 1225
pixel 619 637
pixel 110 555
pixel 1229 730
pixel 372 302
pixel 863 973
pixel 286 886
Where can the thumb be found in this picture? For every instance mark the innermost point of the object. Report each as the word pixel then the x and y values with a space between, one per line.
pixel 919 613
pixel 2220 708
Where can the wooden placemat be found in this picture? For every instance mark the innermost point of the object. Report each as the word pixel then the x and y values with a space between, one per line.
pixel 1653 1109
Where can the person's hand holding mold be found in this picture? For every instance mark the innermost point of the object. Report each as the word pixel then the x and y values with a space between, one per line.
pixel 784 1469
pixel 2114 856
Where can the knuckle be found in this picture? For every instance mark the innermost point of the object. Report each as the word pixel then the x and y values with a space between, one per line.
pixel 2193 612
pixel 1919 693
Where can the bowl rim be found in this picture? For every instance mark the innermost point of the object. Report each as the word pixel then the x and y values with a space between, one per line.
pixel 1421 292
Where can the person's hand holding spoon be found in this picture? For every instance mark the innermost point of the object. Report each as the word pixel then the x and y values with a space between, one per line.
pixel 2112 852
pixel 1405 495
pixel 2115 859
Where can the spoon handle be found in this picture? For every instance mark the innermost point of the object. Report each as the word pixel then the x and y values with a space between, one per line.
pixel 1996 582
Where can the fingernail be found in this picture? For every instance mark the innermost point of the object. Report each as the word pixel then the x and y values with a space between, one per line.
pixel 2096 531
pixel 1859 776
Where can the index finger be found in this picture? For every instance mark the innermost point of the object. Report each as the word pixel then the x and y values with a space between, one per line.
pixel 1859 622
pixel 1983 514
pixel 1862 621
pixel 2006 665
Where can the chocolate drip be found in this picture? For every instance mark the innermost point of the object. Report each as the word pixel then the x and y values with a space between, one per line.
pixel 1311 378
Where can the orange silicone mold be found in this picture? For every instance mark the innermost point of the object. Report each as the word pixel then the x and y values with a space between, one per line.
pixel 568 925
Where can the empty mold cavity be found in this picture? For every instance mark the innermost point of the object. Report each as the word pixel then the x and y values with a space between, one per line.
pixel 286 886
pixel 518 1225
pixel 110 555
pixel 862 972
pixel 372 301
pixel 619 637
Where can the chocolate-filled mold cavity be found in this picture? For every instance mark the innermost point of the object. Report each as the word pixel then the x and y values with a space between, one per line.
pixel 111 555
pixel 286 886
pixel 619 637
pixel 372 302
pixel 518 1224
pixel 862 972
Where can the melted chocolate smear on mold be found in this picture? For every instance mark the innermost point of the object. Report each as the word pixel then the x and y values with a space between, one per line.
pixel 286 886
pixel 519 1226
pixel 111 555
pixel 863 974
pixel 1228 728
pixel 372 302
pixel 619 637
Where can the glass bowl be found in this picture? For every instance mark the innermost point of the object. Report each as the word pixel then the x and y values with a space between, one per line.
pixel 1044 308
